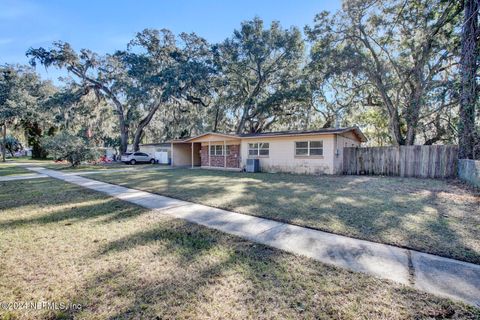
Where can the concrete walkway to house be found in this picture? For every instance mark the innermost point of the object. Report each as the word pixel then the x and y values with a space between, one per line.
pixel 437 275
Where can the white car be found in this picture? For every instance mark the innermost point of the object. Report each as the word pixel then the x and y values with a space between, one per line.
pixel 137 157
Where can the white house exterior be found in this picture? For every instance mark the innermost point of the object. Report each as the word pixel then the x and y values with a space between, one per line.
pixel 308 152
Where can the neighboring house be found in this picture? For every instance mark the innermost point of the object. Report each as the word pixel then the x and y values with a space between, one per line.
pixel 310 152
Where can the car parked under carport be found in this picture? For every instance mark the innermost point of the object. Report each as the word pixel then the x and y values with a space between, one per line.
pixel 137 157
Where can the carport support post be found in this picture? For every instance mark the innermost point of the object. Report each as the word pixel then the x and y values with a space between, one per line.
pixel 171 154
pixel 224 154
pixel 209 154
pixel 192 154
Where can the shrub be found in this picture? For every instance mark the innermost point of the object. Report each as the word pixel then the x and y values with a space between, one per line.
pixel 65 146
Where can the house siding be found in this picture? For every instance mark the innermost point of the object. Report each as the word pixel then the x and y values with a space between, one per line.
pixel 282 155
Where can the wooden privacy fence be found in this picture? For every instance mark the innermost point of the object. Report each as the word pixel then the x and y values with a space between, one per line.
pixel 403 161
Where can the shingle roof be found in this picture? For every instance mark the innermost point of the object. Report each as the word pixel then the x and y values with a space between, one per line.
pixel 285 133
pixel 293 132
pixel 306 132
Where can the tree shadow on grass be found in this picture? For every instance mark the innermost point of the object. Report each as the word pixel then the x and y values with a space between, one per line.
pixel 400 222
pixel 405 212
pixel 111 209
pixel 178 238
pixel 200 258
pixel 179 270
pixel 213 275
pixel 63 202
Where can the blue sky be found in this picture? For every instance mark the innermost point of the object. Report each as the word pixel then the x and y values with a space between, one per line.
pixel 107 25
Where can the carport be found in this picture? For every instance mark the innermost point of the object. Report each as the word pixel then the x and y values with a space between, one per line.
pixel 185 154
pixel 209 151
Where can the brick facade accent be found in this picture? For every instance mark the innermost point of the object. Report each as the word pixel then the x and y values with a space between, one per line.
pixel 233 159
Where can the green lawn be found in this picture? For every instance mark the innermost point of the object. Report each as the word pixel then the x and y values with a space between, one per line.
pixel 65 166
pixel 104 167
pixel 10 170
pixel 88 167
pixel 435 216
pixel 60 243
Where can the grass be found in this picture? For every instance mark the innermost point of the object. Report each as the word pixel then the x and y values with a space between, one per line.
pixel 60 243
pixel 434 216
pixel 106 166
pixel 65 166
pixel 9 170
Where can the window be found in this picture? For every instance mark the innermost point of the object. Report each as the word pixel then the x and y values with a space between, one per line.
pixel 309 148
pixel 301 148
pixel 216 150
pixel 253 149
pixel 316 148
pixel 259 149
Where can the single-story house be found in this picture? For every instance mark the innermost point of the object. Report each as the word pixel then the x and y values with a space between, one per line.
pixel 311 152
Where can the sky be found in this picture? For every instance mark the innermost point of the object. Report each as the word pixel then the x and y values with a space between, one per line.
pixel 106 25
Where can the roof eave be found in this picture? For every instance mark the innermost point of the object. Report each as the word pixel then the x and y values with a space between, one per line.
pixel 360 134
pixel 355 129
pixel 231 136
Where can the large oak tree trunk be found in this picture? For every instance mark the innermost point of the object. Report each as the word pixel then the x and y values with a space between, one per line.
pixel 137 139
pixel 217 116
pixel 124 127
pixel 34 133
pixel 393 121
pixel 243 120
pixel 141 126
pixel 123 135
pixel 412 120
pixel 468 70
pixel 395 132
pixel 123 139
pixel 393 116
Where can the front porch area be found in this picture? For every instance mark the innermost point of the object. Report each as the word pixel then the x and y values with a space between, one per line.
pixel 208 151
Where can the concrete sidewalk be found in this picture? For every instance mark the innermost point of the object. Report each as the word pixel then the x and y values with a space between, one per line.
pixel 437 275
